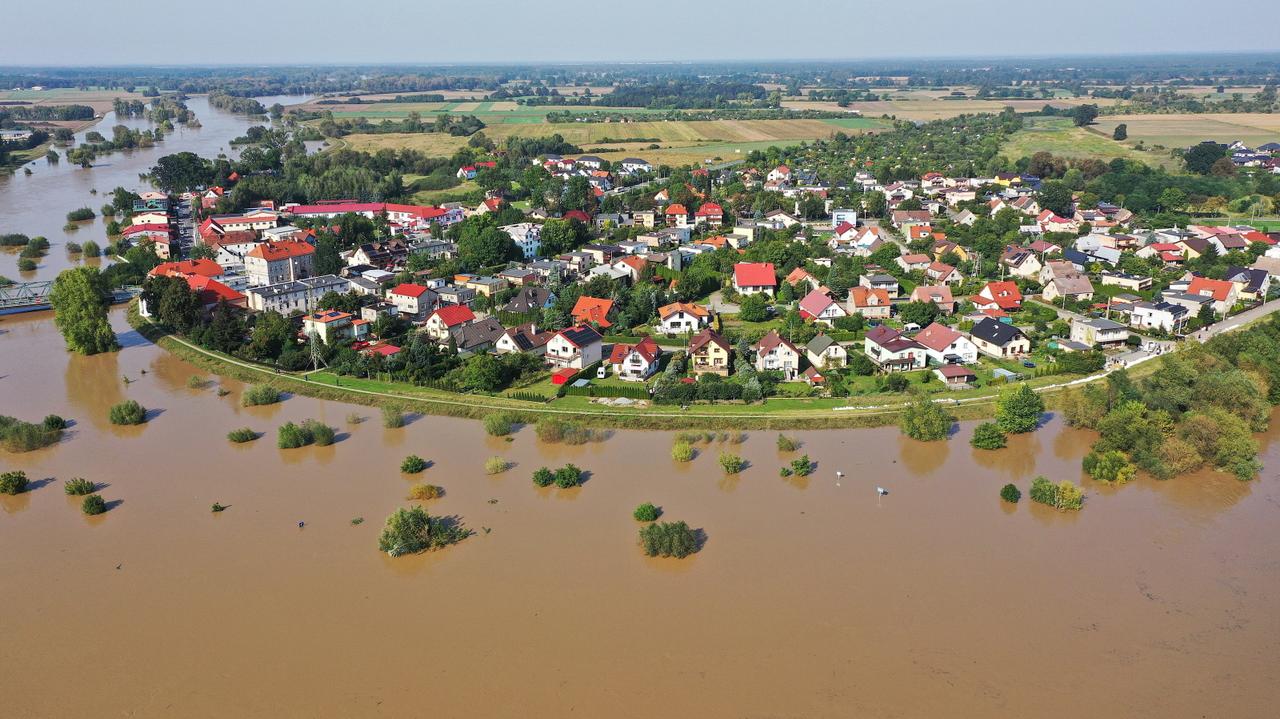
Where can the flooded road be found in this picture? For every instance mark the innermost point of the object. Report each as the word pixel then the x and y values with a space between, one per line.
pixel 810 598
pixel 37 204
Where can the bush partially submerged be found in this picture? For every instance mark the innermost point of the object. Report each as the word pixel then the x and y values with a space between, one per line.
pixel 244 434
pixel 19 436
pixel 563 431
pixel 1112 466
pixel 78 487
pixel 14 482
pixel 568 476
pixel 787 444
pixel 498 425
pixel 292 436
pixel 392 418
pixel 127 412
pixel 1010 493
pixel 731 463
pixel 259 394
pixel 682 452
pixel 668 539
pixel 543 477
pixel 53 422
pixel 425 491
pixel 413 464
pixel 93 504
pixel 412 530
pixel 1063 495
pixel 988 435
pixel 496 465
pixel 646 513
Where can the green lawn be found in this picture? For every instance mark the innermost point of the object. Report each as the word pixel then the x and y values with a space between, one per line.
pixel 1061 137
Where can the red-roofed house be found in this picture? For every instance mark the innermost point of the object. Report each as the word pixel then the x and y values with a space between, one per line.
pixel 592 311
pixel 677 215
pixel 998 296
pixel 869 302
pixel 412 299
pixel 945 345
pixel 635 363
pixel 207 268
pixel 1224 293
pixel 750 278
pixel 781 173
pixel 334 326
pixel 444 319
pixel 710 213
pixel 819 307
pixel 211 292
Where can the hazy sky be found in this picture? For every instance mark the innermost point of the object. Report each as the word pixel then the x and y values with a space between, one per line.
pixel 115 32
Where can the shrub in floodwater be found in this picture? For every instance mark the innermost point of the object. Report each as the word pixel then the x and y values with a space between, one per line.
pixel 668 539
pixel 731 463
pixel 787 444
pixel 89 248
pixel 682 452
pixel 26 264
pixel 93 504
pixel 78 487
pixel 19 436
pixel 1010 494
pixel 259 394
pixel 244 434
pixel 568 476
pixel 496 465
pixel 80 215
pixel 543 477
pixel 127 412
pixel 412 530
pixel 498 425
pixel 646 512
pixel 218 507
pixel 566 432
pixel 1063 495
pixel 988 435
pixel 321 434
pixel 195 381
pixel 354 418
pixel 14 482
pixel 1111 466
pixel 53 422
pixel 425 491
pixel 802 467
pixel 392 418
pixel 413 464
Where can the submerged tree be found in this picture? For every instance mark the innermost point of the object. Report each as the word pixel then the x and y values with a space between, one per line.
pixel 79 299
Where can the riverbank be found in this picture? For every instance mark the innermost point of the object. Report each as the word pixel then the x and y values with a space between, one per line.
pixel 773 414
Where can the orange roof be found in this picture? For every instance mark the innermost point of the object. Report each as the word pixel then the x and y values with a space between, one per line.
pixel 277 251
pixel 1220 290
pixel 685 307
pixel 589 310
pixel 207 268
pixel 677 209
pixel 327 316
pixel 211 290
pixel 861 296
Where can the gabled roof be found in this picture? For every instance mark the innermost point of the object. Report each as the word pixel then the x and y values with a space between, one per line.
pixel 881 334
pixel 208 268
pixel 709 209
pixel 277 251
pixel 705 337
pixel 819 344
pixel 1219 290
pixel 996 332
pixel 1005 295
pixel 861 296
pixel 937 336
pixel 481 332
pixel 211 290
pixel 688 308
pixel 815 303
pixel 454 315
pixel 677 209
pixel 938 294
pixel 646 348
pixel 592 310
pixel 771 340
pixel 754 274
pixel 580 336
pixel 408 290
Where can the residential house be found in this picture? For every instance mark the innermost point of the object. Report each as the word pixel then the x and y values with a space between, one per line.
pixel 295 295
pixel 476 337
pixel 709 352
pixel 903 219
pixel 821 308
pixel 1021 262
pixel 455 295
pixel 800 277
pixel 1224 293
pixel 939 295
pixel 592 311
pixel 574 347
pixel 954 375
pixel 751 278
pixel 677 215
pixel 824 352
pixel 999 339
pixel 913 262
pixel 523 338
pixel 443 320
pixel 1137 283
pixel 529 299
pixel 879 281
pixel 1159 315
pixel 870 303
pixel 1099 331
pixel 635 363
pixel 1251 284
pixel 1062 279
pixel 1004 296
pixel 892 352
pixel 527 236
pixel 333 326
pixel 945 345
pixel 943 273
pixel 412 300
pixel 681 317
pixel 710 214
pixel 775 354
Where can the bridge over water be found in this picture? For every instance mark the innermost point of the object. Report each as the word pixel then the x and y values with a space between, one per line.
pixel 32 296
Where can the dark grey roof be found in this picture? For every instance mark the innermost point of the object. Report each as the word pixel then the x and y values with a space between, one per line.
pixel 581 336
pixel 528 299
pixel 478 333
pixel 819 344
pixel 996 332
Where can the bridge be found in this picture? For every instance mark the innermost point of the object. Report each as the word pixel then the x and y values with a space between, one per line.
pixel 33 296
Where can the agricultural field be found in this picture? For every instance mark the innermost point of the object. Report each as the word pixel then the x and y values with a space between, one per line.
pixel 1061 137
pixel 937 109
pixel 680 142
pixel 99 99
pixel 1184 130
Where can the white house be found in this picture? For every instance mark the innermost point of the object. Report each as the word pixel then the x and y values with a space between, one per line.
pixel 574 347
pixel 945 345
pixel 527 236
pixel 682 317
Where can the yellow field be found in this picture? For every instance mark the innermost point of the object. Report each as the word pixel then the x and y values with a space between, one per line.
pixel 434 144
pixel 580 133
pixel 940 109
pixel 1188 129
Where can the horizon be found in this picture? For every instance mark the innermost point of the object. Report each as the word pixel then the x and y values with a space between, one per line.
pixel 715 31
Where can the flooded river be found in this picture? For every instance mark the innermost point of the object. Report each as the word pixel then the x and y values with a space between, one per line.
pixel 810 598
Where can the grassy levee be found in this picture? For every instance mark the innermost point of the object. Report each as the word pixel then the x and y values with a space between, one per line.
pixel 774 414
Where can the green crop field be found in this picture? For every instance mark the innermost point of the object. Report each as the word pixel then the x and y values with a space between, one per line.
pixel 1184 130
pixel 1062 138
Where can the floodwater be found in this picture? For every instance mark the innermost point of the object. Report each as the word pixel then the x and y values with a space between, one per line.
pixel 810 598
pixel 37 204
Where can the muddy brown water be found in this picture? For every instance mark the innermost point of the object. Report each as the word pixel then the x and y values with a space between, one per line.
pixel 810 598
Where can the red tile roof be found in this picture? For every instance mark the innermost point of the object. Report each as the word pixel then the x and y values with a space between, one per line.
pixel 454 315
pixel 408 290
pixel 207 268
pixel 277 251
pixel 754 274
pixel 1219 290
pixel 677 209
pixel 592 310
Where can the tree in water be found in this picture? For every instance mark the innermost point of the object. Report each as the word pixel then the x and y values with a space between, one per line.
pixel 79 299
